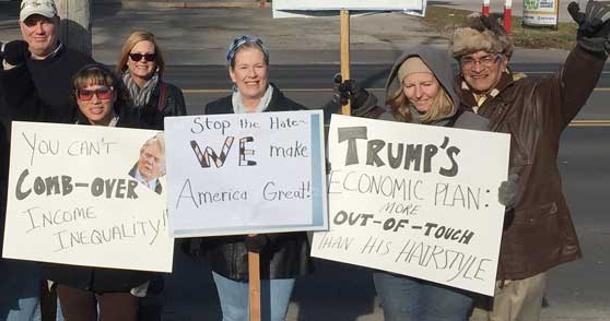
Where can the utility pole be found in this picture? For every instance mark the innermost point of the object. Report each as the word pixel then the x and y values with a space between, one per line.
pixel 75 24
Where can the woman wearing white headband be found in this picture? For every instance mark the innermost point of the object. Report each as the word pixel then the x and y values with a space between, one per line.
pixel 284 256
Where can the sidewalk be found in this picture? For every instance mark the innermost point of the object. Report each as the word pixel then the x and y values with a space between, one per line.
pixel 199 36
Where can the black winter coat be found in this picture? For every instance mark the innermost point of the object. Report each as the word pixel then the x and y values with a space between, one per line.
pixel 172 105
pixel 286 255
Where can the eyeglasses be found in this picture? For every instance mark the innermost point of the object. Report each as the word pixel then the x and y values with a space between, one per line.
pixel 103 93
pixel 139 56
pixel 485 61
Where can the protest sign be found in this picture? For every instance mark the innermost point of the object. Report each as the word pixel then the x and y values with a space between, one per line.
pixel 413 6
pixel 304 8
pixel 415 200
pixel 75 197
pixel 246 173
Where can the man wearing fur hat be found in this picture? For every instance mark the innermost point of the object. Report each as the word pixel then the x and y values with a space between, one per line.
pixel 538 231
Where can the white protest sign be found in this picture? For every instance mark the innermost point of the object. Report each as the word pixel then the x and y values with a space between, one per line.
pixel 369 5
pixel 280 7
pixel 415 200
pixel 246 173
pixel 72 198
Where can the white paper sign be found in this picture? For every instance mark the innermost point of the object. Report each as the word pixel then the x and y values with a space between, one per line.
pixel 280 7
pixel 246 173
pixel 72 198
pixel 415 200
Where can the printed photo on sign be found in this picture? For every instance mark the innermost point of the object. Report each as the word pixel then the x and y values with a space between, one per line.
pixel 87 195
pixel 150 166
pixel 415 200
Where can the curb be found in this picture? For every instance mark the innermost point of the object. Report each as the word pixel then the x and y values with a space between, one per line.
pixel 132 4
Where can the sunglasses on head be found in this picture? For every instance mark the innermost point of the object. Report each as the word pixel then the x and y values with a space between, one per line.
pixel 139 56
pixel 103 93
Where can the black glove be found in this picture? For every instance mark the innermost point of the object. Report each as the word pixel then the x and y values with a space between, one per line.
pixel 593 26
pixel 256 243
pixel 342 89
pixel 362 101
pixel 16 52
pixel 508 193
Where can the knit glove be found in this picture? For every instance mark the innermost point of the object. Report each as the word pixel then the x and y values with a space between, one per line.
pixel 256 243
pixel 508 193
pixel 593 26
pixel 16 52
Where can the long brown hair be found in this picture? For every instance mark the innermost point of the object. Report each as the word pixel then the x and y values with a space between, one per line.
pixel 130 42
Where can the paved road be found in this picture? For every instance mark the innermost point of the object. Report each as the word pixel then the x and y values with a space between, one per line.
pixel 200 36
pixel 311 84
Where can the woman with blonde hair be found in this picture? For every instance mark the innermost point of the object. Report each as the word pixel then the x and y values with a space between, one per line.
pixel 141 67
pixel 420 90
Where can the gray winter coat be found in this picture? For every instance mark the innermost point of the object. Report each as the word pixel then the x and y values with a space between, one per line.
pixel 439 62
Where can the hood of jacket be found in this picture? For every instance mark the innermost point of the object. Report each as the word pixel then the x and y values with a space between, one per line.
pixel 439 62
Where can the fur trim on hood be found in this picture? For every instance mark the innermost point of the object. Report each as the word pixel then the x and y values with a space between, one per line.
pixel 480 33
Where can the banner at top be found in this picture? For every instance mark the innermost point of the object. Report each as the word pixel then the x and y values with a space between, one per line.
pixel 414 6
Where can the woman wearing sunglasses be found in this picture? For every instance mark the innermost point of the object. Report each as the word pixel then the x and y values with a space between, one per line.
pixel 283 256
pixel 86 292
pixel 141 68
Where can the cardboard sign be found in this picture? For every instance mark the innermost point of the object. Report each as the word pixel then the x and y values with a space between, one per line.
pixel 87 195
pixel 415 200
pixel 246 173
pixel 284 8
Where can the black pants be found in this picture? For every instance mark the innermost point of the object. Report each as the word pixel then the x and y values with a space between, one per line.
pixel 81 305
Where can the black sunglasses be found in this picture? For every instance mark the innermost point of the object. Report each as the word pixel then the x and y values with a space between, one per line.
pixel 139 56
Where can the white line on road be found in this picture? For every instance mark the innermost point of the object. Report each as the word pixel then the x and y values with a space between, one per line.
pixel 303 90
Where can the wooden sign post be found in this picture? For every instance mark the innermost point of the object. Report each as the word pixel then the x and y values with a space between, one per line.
pixel 254 286
pixel 345 59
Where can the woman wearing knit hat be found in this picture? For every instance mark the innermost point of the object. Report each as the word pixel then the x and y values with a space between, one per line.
pixel 420 90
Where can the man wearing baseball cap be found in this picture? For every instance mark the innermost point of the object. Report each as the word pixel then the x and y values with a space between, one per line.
pixel 50 65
